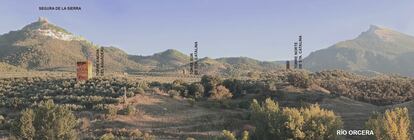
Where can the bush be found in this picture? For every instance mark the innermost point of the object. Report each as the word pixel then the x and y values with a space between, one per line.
pixel 129 110
pixel 46 121
pixel 107 136
pixel 210 82
pixel 379 90
pixel 228 135
pixel 180 89
pixel 299 79
pixel 244 104
pixel 84 125
pixel 135 133
pixel 196 90
pixel 147 136
pixel 2 120
pixel 24 128
pixel 220 93
pixel 139 90
pixel 173 93
pixel 392 125
pixel 111 111
pixel 178 82
pixel 253 75
pixel 245 135
pixel 235 86
pixel 291 123
pixel 191 101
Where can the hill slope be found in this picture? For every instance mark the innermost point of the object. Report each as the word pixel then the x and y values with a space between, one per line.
pixel 44 46
pixel 4 67
pixel 47 47
pixel 169 59
pixel 378 49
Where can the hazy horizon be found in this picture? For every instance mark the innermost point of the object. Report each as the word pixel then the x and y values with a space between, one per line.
pixel 263 30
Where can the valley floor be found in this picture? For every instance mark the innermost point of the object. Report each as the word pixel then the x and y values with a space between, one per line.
pixel 174 118
pixel 171 118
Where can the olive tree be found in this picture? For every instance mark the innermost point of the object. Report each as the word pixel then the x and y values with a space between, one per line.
pixel 46 121
pixel 393 124
pixel 292 123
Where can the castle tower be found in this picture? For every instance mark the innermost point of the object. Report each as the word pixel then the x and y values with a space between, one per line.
pixel 43 19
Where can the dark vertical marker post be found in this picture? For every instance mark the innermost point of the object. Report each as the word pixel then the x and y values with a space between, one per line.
pixel 295 65
pixel 191 64
pixel 102 70
pixel 97 63
pixel 196 58
pixel 300 52
pixel 287 64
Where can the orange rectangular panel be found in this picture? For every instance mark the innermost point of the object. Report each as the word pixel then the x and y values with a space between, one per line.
pixel 83 70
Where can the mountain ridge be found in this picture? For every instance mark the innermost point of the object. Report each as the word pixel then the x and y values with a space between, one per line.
pixel 46 47
pixel 377 49
pixel 42 45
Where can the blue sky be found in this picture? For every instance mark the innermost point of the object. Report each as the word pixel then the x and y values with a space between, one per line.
pixel 261 29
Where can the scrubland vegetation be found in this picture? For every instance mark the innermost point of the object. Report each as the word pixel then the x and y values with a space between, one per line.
pixel 62 108
pixel 36 97
pixel 291 123
pixel 393 125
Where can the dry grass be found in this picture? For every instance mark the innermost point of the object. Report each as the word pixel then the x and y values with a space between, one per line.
pixel 168 118
pixel 37 74
pixel 174 118
pixel 163 78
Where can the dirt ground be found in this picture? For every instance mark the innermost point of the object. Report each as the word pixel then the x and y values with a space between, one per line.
pixel 354 114
pixel 171 118
pixel 175 118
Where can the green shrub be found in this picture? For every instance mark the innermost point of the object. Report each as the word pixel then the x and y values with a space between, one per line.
pixel 244 104
pixel 228 135
pixel 220 93
pixel 245 135
pixel 45 121
pixel 196 90
pixel 191 101
pixel 24 127
pixel 107 136
pixel 173 93
pixel 237 87
pixel 299 79
pixel 392 125
pixel 210 82
pixel 139 90
pixel 85 124
pixel 111 111
pixel 129 110
pixel 190 138
pixel 178 82
pixel 135 133
pixel 148 136
pixel 2 120
pixel 290 123
pixel 155 84
pixel 253 75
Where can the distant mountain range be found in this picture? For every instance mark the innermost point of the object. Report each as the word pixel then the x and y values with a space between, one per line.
pixel 42 46
pixel 376 50
pixel 47 47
